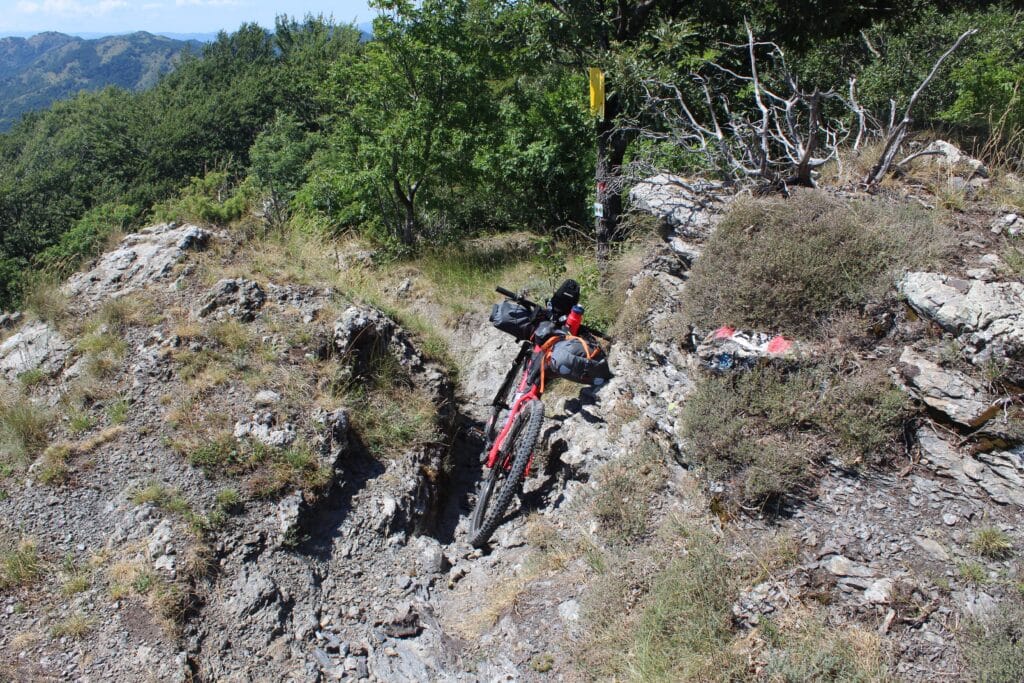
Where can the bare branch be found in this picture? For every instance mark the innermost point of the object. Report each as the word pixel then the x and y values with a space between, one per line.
pixel 898 133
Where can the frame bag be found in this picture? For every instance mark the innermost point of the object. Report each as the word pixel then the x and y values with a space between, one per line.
pixel 578 361
pixel 510 317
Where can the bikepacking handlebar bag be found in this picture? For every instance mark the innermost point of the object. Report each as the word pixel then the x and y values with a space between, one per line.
pixel 510 317
pixel 578 361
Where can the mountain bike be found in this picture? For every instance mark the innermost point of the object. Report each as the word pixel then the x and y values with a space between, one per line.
pixel 509 443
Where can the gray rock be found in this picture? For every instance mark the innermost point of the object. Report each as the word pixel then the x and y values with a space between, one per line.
pixel 288 518
pixel 240 299
pixel 139 259
pixel 691 207
pixel 952 393
pixel 431 556
pixel 264 428
pixel 252 591
pixel 988 317
pixel 569 611
pixel 839 565
pixel 37 346
pixel 880 592
pixel 266 398
pixel 999 473
pixel 947 154
pixel 933 548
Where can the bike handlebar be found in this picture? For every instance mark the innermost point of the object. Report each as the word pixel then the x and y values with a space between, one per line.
pixel 519 298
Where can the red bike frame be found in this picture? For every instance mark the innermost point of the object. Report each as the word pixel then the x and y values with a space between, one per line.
pixel 517 406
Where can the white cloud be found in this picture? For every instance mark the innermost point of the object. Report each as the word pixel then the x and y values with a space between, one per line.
pixel 206 3
pixel 70 8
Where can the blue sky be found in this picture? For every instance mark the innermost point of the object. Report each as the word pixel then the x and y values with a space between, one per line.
pixel 162 16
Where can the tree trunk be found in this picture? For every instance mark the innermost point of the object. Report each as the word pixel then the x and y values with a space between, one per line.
pixel 407 230
pixel 611 149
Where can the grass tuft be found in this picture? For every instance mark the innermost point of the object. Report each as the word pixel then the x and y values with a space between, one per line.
pixel 24 427
pixel 992 543
pixel 20 565
pixel 76 627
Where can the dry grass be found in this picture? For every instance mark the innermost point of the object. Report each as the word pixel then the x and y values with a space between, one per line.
pixel 24 427
pixel 75 627
pixel 992 543
pixel 44 298
pixel 802 647
pixel 54 470
pixel 621 503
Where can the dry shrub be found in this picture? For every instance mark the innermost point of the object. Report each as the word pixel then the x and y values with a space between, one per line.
pixel 768 430
pixel 787 265
pixel 994 647
pixel 802 647
pixel 622 502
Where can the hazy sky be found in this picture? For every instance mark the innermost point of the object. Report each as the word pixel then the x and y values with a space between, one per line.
pixel 162 16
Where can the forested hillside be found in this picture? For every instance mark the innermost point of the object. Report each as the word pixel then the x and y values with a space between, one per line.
pixel 465 117
pixel 37 71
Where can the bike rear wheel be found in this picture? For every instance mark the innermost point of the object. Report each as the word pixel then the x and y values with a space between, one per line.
pixel 504 483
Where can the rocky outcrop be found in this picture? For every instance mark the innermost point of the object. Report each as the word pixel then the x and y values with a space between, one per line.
pixel 690 207
pixel 238 298
pixel 946 154
pixel 140 258
pixel 987 317
pixel 36 346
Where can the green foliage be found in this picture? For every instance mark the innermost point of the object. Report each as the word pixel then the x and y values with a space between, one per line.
pixel 788 265
pixel 211 198
pixel 278 164
pixel 87 237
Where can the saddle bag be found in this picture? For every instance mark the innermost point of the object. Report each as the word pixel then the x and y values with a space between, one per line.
pixel 577 360
pixel 510 317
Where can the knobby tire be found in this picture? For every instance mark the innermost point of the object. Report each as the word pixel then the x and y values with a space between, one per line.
pixel 487 517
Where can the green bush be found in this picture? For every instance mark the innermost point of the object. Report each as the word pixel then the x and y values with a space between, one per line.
pixel 212 198
pixel 87 237
pixel 787 265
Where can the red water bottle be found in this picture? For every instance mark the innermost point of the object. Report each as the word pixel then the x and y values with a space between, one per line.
pixel 574 319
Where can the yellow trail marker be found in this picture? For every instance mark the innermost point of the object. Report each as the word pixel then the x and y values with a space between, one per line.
pixel 596 92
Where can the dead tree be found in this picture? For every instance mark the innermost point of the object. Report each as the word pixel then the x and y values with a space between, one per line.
pixel 777 139
pixel 781 134
pixel 897 132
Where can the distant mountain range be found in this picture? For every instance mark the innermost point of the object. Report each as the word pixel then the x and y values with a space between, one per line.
pixel 36 71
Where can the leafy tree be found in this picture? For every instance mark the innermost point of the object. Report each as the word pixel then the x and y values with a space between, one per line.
pixel 413 103
pixel 278 164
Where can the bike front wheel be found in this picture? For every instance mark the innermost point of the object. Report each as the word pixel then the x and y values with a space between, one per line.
pixel 501 484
